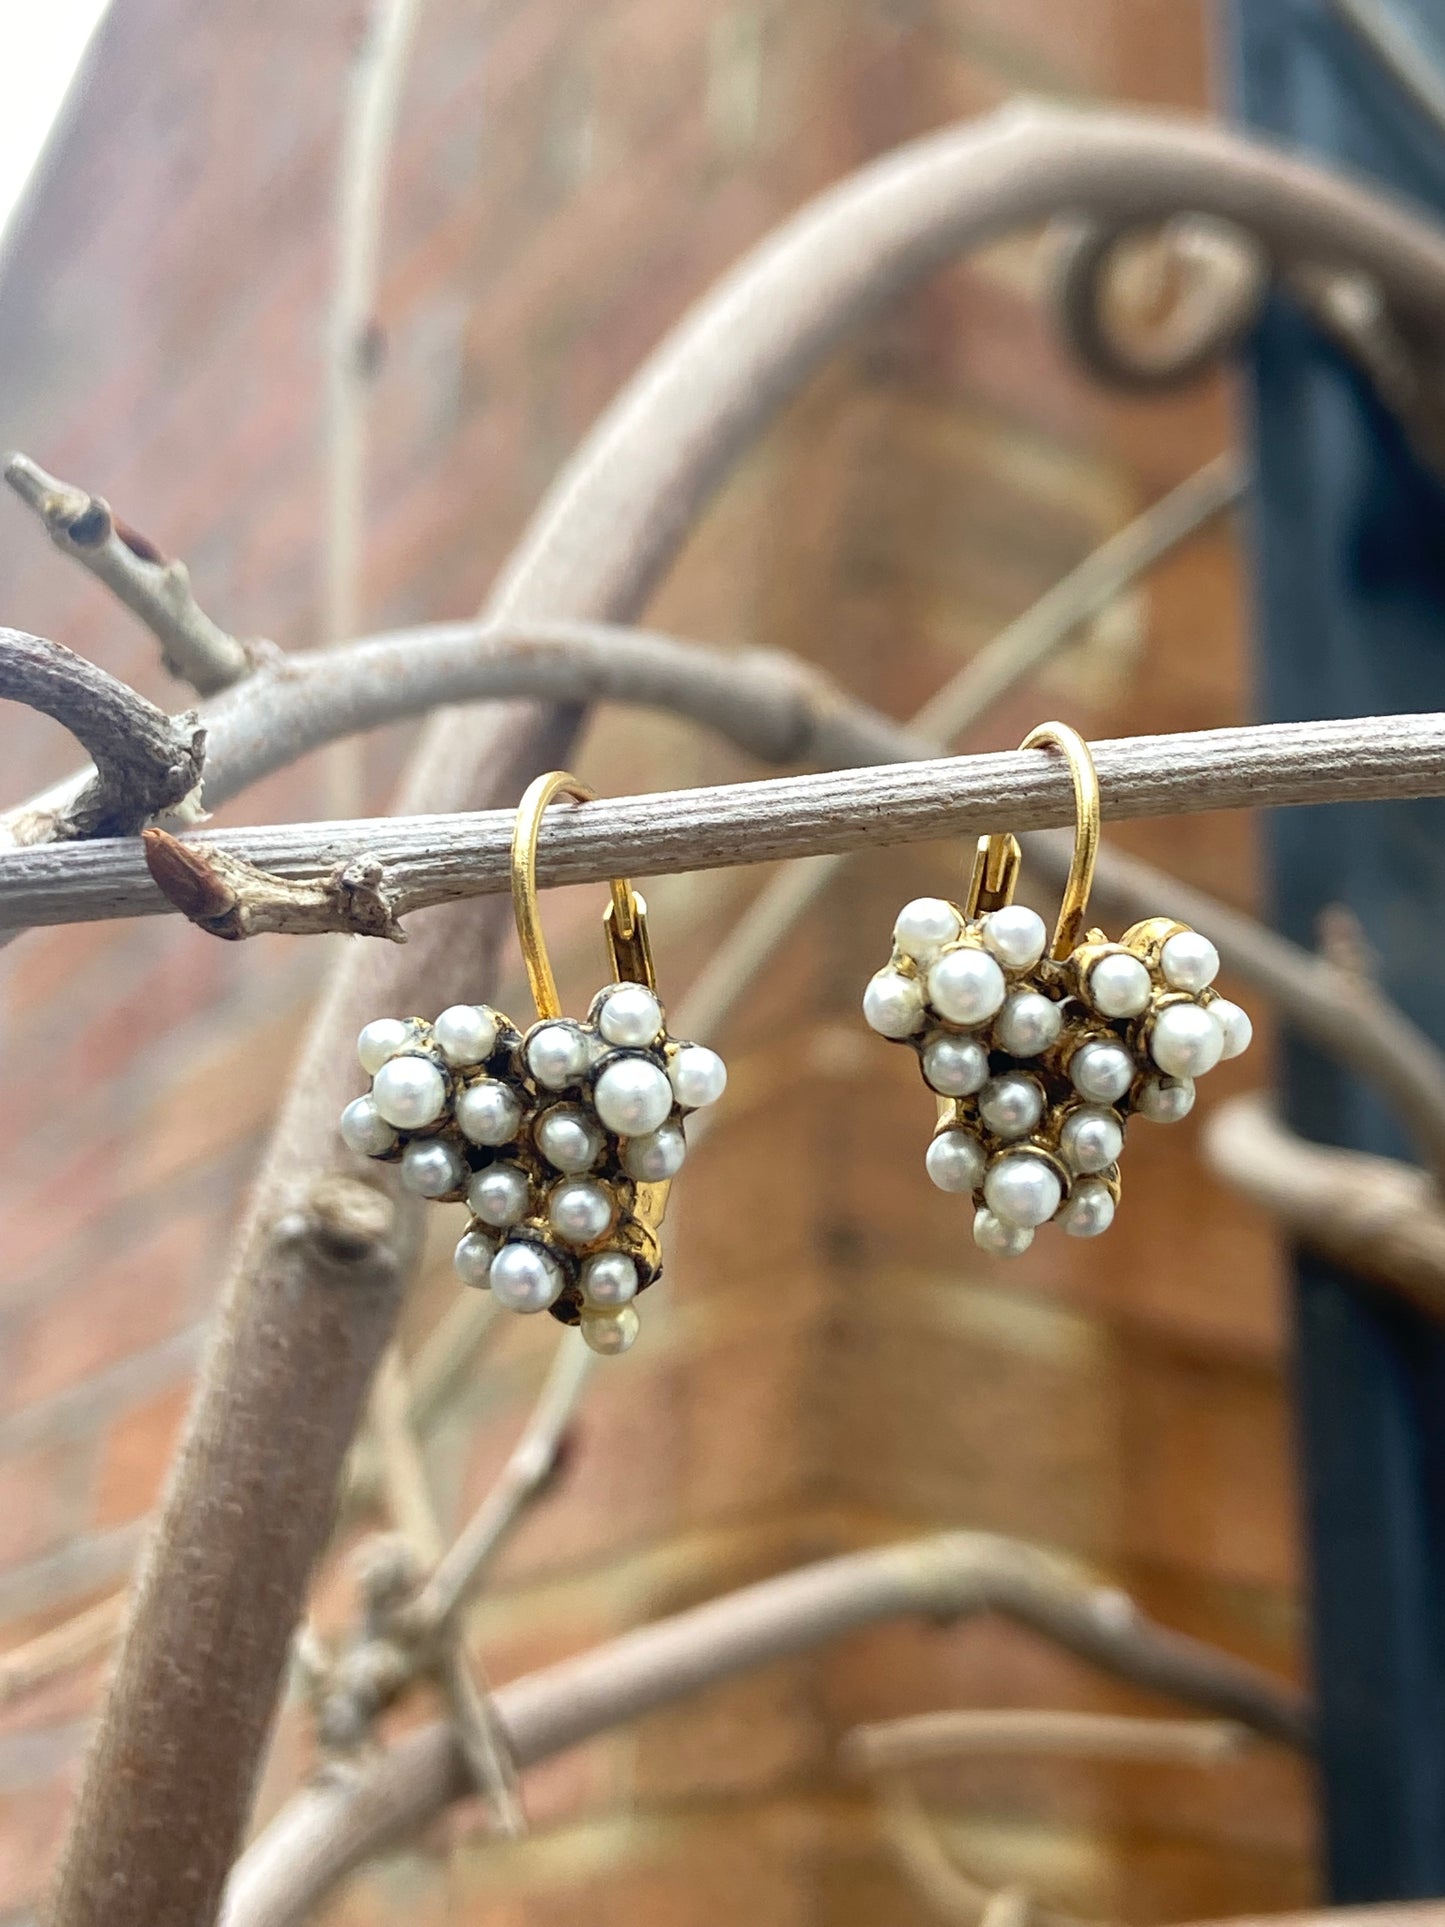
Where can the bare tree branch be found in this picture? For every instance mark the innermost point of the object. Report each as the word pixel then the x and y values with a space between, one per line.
pixel 331 1828
pixel 82 526
pixel 1379 1219
pixel 434 859
pixel 954 1893
pixel 60 1649
pixel 145 761
pixel 889 1745
pixel 231 898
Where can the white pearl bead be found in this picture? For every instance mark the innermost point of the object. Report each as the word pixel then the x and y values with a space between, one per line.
pixel 924 927
pixel 1089 1211
pixel 1090 1140
pixel 525 1278
pixel 698 1076
pixel 893 1004
pixel 466 1034
pixel 955 1066
pixel 1119 985
pixel 632 1096
pixel 1015 935
pixel 1028 1023
pixel 611 1332
pixel 410 1092
pixel 488 1112
pixel 1164 1100
pixel 380 1040
pixel 1022 1190
pixel 655 1157
pixel 364 1130
pixel 1185 1041
pixel 1011 1105
pixel 579 1210
pixel 998 1239
pixel 568 1139
pixel 609 1279
pixel 1101 1072
pixel 1235 1025
pixel 472 1259
pixel 1189 961
pixel 631 1015
pixel 965 985
pixel 557 1055
pixel 431 1169
pixel 499 1195
pixel 955 1161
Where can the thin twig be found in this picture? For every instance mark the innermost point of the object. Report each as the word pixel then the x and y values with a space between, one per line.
pixel 965 1732
pixel 328 1829
pixel 60 1649
pixel 1379 1219
pixel 956 1894
pixel 145 761
pixel 403 1476
pixel 437 859
pixel 158 591
pixel 482 1739
pixel 529 1468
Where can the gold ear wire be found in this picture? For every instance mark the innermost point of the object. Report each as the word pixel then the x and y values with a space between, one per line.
pixel 996 865
pixel 625 919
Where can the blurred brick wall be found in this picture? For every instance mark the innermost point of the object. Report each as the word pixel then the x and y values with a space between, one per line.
pixel 832 1364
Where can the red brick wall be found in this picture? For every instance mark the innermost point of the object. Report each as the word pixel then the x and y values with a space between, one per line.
pixel 833 1366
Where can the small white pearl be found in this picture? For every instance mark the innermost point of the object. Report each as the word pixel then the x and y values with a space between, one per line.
pixel 655 1157
pixel 1101 1072
pixel 525 1278
pixel 568 1139
pixel 1090 1209
pixel 557 1055
pixel 1119 985
pixel 1015 935
pixel 580 1210
pixel 1022 1190
pixel 610 1332
pixel 955 1161
pixel 1189 961
pixel 631 1015
pixel 924 927
pixel 698 1076
pixel 609 1279
pixel 1090 1140
pixel 1235 1025
pixel 1028 1023
pixel 488 1112
pixel 431 1169
pixel 466 1034
pixel 1164 1100
pixel 499 1195
pixel 380 1040
pixel 893 1004
pixel 1011 1105
pixel 472 1259
pixel 410 1092
pixel 965 985
pixel 998 1239
pixel 632 1096
pixel 955 1066
pixel 364 1130
pixel 1185 1041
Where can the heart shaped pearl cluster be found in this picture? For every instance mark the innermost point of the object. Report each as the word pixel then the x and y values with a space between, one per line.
pixel 1040 1062
pixel 557 1140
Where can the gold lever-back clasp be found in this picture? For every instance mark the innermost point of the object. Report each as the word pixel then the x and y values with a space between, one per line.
pixel 625 919
pixel 996 863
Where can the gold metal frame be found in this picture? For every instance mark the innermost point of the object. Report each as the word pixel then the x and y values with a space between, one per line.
pixel 996 866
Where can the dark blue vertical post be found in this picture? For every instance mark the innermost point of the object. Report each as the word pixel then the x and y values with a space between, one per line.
pixel 1349 581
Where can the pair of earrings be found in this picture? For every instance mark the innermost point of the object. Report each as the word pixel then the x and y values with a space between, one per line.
pixel 563 1139
pixel 1040 1052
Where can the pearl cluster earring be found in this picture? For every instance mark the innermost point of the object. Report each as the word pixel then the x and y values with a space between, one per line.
pixel 563 1140
pixel 1039 1054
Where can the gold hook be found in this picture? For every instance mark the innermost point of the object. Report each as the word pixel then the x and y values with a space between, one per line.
pixel 625 919
pixel 996 866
